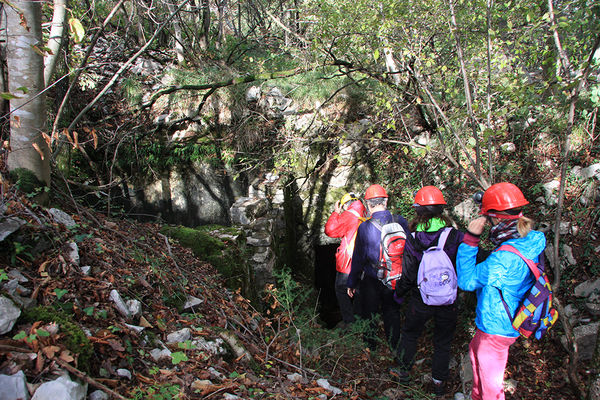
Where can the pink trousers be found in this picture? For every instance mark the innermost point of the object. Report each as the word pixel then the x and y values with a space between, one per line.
pixel 488 357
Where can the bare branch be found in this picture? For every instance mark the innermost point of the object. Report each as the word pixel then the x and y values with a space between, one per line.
pixel 562 55
pixel 565 162
pixel 82 64
pixel 459 51
pixel 477 178
pixel 125 66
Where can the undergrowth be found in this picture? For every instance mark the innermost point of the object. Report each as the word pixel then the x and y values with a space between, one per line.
pixel 295 308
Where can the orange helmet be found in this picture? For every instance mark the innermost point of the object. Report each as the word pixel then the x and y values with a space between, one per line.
pixel 501 197
pixel 429 196
pixel 375 191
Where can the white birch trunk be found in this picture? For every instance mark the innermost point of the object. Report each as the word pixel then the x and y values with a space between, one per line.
pixel 26 69
pixel 178 36
pixel 390 65
pixel 55 40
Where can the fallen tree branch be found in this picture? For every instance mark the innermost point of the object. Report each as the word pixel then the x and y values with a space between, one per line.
pixel 87 378
pixel 69 368
pixel 229 82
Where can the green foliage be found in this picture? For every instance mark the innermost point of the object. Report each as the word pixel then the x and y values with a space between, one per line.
pixel 201 243
pixel 20 250
pixel 157 392
pixel 178 357
pixel 294 306
pixel 26 181
pixel 176 299
pixel 32 336
pixel 75 338
pixel 132 90
pixel 151 156
pixel 60 293
pixel 89 311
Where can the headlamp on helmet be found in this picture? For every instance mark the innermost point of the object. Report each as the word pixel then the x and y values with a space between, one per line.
pixel 347 198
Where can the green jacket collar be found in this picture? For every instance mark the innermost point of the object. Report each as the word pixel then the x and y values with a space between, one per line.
pixel 435 225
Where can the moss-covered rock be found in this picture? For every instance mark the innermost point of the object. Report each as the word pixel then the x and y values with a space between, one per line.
pixel 25 180
pixel 202 244
pixel 222 247
pixel 75 339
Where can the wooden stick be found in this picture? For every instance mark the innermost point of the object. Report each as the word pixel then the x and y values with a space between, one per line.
pixel 87 378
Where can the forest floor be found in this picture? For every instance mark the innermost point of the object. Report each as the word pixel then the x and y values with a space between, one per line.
pixel 140 263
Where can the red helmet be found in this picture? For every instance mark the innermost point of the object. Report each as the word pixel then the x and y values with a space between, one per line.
pixel 429 196
pixel 375 191
pixel 501 197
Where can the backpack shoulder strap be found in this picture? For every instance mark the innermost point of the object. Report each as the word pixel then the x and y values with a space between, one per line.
pixel 354 212
pixel 376 223
pixel 530 263
pixel 443 237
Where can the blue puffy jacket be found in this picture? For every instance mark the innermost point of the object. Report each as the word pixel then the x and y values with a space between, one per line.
pixel 367 246
pixel 501 270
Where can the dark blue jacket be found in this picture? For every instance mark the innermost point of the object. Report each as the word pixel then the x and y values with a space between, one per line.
pixel 367 246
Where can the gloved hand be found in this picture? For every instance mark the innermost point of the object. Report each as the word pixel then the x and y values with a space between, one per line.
pixel 398 299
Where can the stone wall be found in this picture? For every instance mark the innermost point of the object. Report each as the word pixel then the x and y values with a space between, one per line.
pixel 191 195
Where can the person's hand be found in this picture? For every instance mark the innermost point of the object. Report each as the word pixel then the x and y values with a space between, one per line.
pixel 337 208
pixel 477 225
pixel 351 292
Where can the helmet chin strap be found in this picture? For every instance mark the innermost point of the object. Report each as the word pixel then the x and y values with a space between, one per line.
pixel 504 216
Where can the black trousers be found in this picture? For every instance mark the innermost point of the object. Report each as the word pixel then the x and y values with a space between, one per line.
pixel 344 301
pixel 443 332
pixel 376 298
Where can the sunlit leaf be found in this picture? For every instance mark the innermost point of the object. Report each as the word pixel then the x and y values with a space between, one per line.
pixel 77 29
pixel 8 96
pixel 178 357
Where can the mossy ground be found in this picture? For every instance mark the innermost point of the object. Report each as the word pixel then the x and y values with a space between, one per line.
pixel 75 339
pixel 228 257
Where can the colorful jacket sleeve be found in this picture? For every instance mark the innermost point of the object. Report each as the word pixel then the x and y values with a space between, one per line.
pixel 470 278
pixel 335 226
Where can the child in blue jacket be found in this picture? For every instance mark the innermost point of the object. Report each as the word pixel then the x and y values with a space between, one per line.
pixel 502 274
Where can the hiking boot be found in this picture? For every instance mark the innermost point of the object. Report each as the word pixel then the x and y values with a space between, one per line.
pixel 399 375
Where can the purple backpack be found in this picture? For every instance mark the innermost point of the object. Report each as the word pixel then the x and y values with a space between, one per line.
pixel 436 278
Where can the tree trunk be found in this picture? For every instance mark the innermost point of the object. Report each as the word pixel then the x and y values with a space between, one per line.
pixel 26 70
pixel 178 36
pixel 469 101
pixel 204 38
pixel 390 65
pixel 221 4
pixel 56 39
pixel 4 104
pixel 490 6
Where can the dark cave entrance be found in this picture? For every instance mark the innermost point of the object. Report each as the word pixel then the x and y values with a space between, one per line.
pixel 324 284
